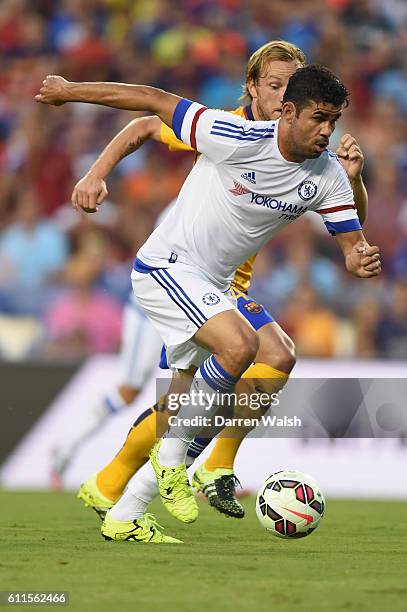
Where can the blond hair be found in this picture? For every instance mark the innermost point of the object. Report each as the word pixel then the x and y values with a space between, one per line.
pixel 275 50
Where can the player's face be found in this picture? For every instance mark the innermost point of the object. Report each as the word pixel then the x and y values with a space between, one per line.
pixel 268 91
pixel 311 130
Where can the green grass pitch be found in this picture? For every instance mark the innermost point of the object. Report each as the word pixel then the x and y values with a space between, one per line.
pixel 356 560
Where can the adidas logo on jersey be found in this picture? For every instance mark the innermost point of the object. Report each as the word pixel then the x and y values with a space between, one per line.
pixel 249 176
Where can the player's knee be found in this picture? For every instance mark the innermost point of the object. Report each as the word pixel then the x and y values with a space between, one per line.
pixel 242 349
pixel 281 356
pixel 286 357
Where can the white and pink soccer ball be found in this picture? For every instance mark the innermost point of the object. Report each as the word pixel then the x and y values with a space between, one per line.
pixel 290 504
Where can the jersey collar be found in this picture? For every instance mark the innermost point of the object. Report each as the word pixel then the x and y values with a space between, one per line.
pixel 248 112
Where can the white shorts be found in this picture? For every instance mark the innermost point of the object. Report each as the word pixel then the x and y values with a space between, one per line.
pixel 141 346
pixel 179 300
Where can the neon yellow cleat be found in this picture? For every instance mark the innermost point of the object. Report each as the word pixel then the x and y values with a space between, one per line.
pixel 91 496
pixel 174 488
pixel 145 529
pixel 219 486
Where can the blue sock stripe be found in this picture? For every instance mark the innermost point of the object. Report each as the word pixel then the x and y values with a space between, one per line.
pixel 215 377
pixel 197 446
pixel 199 311
pixel 194 454
pixel 208 379
pixel 180 297
pixel 201 443
pixel 222 384
pixel 226 384
pixel 211 372
pixel 183 308
pixel 214 382
pixel 221 371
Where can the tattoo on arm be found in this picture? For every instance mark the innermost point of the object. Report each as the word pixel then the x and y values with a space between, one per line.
pixel 133 146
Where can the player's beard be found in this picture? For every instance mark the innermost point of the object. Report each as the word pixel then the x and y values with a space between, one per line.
pixel 262 114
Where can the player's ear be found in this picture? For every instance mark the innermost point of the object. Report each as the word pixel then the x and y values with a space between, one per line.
pixel 251 88
pixel 288 112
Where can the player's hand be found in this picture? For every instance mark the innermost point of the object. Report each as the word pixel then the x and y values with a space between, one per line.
pixel 90 191
pixel 351 157
pixel 54 90
pixel 364 260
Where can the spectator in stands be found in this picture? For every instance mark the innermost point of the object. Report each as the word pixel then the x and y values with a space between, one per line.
pixel 196 48
pixel 32 253
pixel 83 320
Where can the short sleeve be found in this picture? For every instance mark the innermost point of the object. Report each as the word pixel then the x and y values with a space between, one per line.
pixel 337 207
pixel 218 134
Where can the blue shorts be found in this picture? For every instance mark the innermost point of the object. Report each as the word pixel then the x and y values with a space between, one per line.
pixel 253 312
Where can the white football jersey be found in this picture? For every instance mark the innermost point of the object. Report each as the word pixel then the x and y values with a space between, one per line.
pixel 240 193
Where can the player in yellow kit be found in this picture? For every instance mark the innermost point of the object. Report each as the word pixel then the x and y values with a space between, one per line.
pixel 267 75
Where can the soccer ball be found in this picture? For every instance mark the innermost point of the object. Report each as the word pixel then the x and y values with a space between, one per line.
pixel 290 504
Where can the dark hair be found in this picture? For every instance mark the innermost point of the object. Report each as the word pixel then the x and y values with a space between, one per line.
pixel 315 83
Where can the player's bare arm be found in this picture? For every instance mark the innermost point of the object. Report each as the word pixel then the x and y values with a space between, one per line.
pixel 56 91
pixel 91 190
pixel 352 159
pixel 361 259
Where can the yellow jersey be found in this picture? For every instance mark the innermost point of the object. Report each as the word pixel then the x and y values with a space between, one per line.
pixel 243 274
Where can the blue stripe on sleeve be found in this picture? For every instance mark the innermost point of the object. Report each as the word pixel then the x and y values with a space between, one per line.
pixel 341 227
pixel 226 125
pixel 179 114
pixel 140 266
pixel 237 136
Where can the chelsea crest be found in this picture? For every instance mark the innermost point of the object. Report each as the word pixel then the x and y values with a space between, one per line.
pixel 307 190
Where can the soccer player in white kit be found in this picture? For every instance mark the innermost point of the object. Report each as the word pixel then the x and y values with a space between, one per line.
pixel 182 273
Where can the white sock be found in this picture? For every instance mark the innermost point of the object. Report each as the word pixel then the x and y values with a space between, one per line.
pixel 173 450
pixel 210 381
pixel 141 489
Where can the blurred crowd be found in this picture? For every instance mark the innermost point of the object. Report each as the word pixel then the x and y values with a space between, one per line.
pixel 64 276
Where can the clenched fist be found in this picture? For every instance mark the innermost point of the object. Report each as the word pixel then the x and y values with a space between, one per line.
pixel 54 90
pixel 351 156
pixel 364 260
pixel 88 193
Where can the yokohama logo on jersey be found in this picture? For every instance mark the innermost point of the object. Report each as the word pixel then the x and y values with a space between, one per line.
pixel 267 201
pixel 270 202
